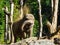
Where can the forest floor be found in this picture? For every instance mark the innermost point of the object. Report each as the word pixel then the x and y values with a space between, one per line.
pixel 34 41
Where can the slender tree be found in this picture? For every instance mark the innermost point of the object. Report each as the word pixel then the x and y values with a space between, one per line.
pixel 21 10
pixel 53 26
pixel 40 16
pixel 11 19
pixel 6 26
pixel 55 16
pixel 52 5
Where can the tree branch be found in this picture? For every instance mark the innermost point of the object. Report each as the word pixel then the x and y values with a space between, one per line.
pixel 48 24
pixel 6 11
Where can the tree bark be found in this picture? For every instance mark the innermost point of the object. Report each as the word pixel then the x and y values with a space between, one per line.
pixel 52 5
pixel 6 26
pixel 40 17
pixel 21 10
pixel 48 25
pixel 55 16
pixel 11 20
pixel 53 26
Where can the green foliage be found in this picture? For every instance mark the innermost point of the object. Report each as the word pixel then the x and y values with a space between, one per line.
pixel 36 28
pixel 2 21
pixel 16 14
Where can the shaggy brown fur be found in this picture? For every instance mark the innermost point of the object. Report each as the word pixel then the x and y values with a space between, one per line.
pixel 23 26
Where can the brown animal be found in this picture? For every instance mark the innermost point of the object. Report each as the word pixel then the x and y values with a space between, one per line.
pixel 23 26
pixel 27 26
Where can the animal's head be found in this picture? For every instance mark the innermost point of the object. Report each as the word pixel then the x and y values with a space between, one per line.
pixel 29 17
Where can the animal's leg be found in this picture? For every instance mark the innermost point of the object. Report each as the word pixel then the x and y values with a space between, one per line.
pixel 31 31
pixel 23 35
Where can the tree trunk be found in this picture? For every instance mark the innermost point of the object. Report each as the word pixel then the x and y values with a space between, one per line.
pixel 52 4
pixel 11 20
pixel 21 10
pixel 6 26
pixel 40 16
pixel 54 19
